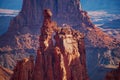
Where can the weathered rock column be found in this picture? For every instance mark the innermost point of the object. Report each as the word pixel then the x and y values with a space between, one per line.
pixel 61 55
pixel 24 69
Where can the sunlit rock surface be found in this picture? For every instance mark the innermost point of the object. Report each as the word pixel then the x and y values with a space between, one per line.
pixel 23 34
pixel 5 74
pixel 60 56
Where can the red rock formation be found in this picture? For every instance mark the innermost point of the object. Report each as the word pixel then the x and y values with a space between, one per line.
pixel 24 69
pixel 23 33
pixel 5 74
pixel 61 55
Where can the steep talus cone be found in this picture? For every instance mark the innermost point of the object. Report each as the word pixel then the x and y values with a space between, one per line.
pixel 61 54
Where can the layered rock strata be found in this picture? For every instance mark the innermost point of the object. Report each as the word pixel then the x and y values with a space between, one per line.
pixel 61 54
pixel 23 33
pixel 24 69
pixel 5 74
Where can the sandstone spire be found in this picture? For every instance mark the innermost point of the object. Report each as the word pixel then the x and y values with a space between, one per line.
pixel 23 69
pixel 61 55
pixel 62 59
pixel 23 33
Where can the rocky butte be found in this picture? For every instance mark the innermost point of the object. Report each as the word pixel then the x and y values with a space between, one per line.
pixel 22 37
pixel 60 56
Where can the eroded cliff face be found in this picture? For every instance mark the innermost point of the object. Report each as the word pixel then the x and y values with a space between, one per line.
pixel 23 69
pixel 31 12
pixel 60 56
pixel 27 22
pixel 23 33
